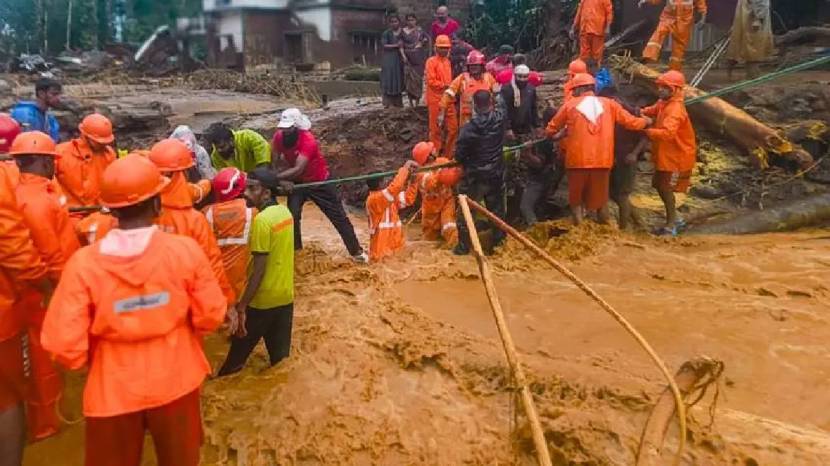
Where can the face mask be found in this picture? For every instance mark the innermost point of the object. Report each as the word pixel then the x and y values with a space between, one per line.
pixel 290 139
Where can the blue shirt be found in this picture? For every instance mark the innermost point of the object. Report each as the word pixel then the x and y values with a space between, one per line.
pixel 31 118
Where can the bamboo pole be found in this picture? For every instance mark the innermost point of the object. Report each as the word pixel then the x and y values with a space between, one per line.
pixel 542 454
pixel 678 397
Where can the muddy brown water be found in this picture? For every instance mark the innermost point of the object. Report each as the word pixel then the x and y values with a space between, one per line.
pixel 399 363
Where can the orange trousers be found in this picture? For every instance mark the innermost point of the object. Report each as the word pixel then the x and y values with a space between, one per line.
pixel 438 221
pixel 176 429
pixel 591 47
pixel 436 134
pixel 44 382
pixel 680 32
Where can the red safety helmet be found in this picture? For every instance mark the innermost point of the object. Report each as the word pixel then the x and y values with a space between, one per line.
pixel 476 58
pixel 577 66
pixel 422 151
pixel 673 79
pixel 9 129
pixel 171 155
pixel 583 79
pixel 98 128
pixel 443 42
pixel 130 180
pixel 33 143
pixel 229 183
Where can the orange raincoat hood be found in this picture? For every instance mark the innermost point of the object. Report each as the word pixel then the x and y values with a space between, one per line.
pixel 177 193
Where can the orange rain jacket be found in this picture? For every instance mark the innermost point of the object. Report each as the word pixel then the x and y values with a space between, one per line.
pixel 137 321
pixel 199 190
pixel 672 137
pixel 53 236
pixel 94 227
pixel 463 88
pixel 231 224
pixel 79 171
pixel 438 76
pixel 19 261
pixel 677 20
pixel 178 216
pixel 437 207
pixel 385 228
pixel 587 144
pixel 594 17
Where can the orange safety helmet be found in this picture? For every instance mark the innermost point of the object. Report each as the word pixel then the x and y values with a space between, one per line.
pixel 577 66
pixel 673 79
pixel 449 176
pixel 129 181
pixel 583 79
pixel 422 151
pixel 229 183
pixel 475 58
pixel 171 155
pixel 98 128
pixel 33 143
pixel 9 129
pixel 443 42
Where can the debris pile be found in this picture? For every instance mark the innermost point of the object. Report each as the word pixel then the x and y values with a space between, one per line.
pixel 280 85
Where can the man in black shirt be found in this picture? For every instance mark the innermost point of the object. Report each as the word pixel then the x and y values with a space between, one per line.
pixel 480 151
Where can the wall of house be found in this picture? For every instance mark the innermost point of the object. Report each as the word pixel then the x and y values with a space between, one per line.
pixel 425 9
pixel 213 5
pixel 264 36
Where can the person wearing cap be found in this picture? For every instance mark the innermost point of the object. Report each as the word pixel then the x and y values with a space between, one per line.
pixel 438 75
pixel 592 24
pixel 437 199
pixel 231 220
pixel 502 61
pixel 522 125
pixel 133 308
pixel 34 115
pixel 47 218
pixel 266 308
pixel 382 204
pixel 674 146
pixel 244 149
pixel 178 216
pixel 461 91
pixel 21 267
pixel 505 76
pixel 82 161
pixel 298 159
pixel 589 145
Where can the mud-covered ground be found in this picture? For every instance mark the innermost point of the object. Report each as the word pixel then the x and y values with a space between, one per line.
pixel 400 362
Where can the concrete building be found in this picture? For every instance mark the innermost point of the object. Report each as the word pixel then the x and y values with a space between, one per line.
pixel 305 33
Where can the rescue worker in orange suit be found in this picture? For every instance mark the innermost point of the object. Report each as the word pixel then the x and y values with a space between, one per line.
pixel 134 307
pixel 82 161
pixel 673 144
pixel 438 76
pixel 574 68
pixel 46 216
pixel 9 129
pixel 589 145
pixel 231 219
pixel 382 205
pixel 437 200
pixel 172 157
pixel 461 91
pixel 20 266
pixel 591 24
pixel 677 20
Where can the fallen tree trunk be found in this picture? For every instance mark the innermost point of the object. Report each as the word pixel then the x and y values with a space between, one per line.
pixel 809 33
pixel 796 214
pixel 688 379
pixel 758 139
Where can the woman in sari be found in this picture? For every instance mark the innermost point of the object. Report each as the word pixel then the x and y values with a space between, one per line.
pixel 415 47
pixel 391 67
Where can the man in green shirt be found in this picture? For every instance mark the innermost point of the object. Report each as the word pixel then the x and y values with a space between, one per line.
pixel 244 149
pixel 266 308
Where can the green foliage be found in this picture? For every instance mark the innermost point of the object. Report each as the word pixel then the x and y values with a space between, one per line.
pixel 520 23
pixel 93 22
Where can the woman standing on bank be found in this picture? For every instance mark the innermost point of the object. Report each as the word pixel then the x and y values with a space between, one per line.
pixel 415 47
pixel 391 68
